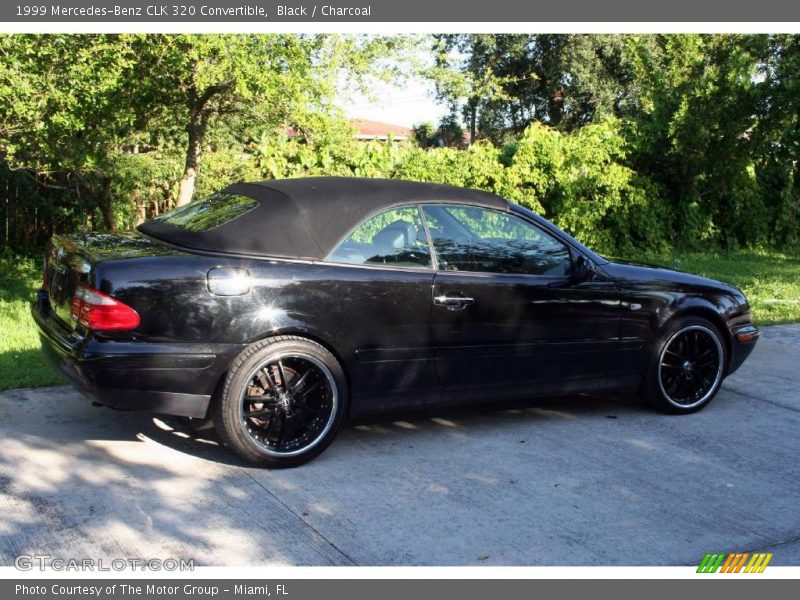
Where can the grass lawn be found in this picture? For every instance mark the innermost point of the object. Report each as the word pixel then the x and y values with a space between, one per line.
pixel 771 281
pixel 21 364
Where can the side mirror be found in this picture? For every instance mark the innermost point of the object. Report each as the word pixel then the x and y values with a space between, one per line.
pixel 582 269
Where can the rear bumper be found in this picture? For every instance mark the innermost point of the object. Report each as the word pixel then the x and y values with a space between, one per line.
pixel 173 379
pixel 743 341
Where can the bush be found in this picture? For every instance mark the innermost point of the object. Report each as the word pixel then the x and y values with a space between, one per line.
pixel 579 180
pixel 583 181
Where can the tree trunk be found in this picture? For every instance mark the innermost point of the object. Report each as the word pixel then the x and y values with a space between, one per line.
pixel 555 108
pixel 104 202
pixel 197 131
pixel 473 117
pixel 140 202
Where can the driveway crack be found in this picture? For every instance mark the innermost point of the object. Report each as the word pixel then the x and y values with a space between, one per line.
pixel 776 544
pixel 300 518
pixel 772 402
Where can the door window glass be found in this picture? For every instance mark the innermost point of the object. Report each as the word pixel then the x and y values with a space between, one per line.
pixel 469 238
pixel 394 237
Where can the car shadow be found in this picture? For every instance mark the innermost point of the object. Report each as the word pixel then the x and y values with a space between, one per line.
pixel 184 435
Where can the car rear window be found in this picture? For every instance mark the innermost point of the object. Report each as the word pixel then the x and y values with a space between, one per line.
pixel 210 212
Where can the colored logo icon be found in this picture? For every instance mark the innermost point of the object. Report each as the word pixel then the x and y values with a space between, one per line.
pixel 735 562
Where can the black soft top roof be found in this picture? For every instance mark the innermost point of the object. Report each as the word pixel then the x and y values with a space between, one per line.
pixel 305 218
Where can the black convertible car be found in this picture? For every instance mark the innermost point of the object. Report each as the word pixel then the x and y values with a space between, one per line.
pixel 279 309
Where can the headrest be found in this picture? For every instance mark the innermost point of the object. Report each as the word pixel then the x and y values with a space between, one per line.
pixel 398 235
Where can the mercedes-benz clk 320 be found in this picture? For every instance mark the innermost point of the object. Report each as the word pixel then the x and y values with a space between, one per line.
pixel 280 309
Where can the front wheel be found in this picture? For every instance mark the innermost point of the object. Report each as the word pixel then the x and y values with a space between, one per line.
pixel 282 402
pixel 687 366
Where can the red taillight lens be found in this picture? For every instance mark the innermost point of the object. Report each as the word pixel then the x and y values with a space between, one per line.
pixel 101 312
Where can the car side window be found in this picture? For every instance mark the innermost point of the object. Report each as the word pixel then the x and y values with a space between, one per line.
pixel 394 237
pixel 470 238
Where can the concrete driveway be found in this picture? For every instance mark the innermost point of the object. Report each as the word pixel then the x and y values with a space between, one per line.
pixel 578 481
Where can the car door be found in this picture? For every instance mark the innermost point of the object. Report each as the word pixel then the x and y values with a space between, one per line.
pixel 508 308
pixel 381 275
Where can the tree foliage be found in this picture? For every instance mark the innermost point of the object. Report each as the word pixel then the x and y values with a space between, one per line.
pixel 76 107
pixel 626 141
pixel 709 122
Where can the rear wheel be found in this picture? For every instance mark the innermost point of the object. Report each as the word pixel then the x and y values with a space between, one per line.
pixel 687 366
pixel 282 403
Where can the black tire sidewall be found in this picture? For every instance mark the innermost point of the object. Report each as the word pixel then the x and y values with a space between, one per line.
pixel 226 411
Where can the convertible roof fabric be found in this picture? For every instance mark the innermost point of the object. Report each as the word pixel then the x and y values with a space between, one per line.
pixel 306 218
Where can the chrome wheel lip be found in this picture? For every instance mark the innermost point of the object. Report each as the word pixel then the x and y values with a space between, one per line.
pixel 259 445
pixel 717 377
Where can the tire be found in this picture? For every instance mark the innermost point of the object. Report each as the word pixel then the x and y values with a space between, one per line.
pixel 687 366
pixel 282 402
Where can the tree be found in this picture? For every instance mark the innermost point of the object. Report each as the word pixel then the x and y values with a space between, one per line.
pixel 504 82
pixel 422 133
pixel 202 81
pixel 65 110
pixel 253 82
pixel 449 133
pixel 699 130
pixel 779 174
pixel 86 117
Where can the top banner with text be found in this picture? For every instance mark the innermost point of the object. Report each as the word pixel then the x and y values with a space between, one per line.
pixel 367 11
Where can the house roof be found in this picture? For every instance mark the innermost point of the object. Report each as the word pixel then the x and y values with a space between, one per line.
pixel 367 128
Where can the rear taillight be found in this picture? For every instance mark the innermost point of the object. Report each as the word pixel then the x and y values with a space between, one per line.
pixel 100 312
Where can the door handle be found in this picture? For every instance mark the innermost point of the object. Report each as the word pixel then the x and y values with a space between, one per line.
pixel 453 302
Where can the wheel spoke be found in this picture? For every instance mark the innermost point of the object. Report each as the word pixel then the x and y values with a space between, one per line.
pixel 284 381
pixel 260 412
pixel 711 362
pixel 672 385
pixel 273 433
pixel 679 389
pixel 265 379
pixel 699 384
pixel 301 381
pixel 305 393
pixel 261 398
pixel 707 354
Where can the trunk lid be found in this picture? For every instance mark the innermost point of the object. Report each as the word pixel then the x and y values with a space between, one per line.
pixel 70 261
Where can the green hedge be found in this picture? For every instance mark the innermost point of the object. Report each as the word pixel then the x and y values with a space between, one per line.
pixel 583 181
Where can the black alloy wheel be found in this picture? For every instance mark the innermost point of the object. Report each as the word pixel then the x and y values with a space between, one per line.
pixel 282 403
pixel 689 366
pixel 289 403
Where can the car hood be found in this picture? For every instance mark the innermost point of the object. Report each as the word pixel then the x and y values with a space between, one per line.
pixel 635 272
